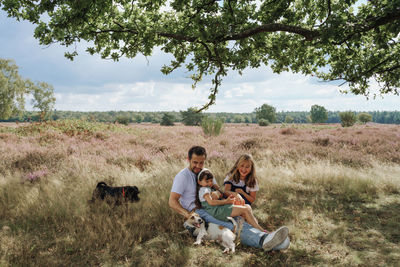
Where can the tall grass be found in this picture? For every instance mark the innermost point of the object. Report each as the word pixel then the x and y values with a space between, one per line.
pixel 338 190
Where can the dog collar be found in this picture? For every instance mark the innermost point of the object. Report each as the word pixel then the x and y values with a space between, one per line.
pixel 123 192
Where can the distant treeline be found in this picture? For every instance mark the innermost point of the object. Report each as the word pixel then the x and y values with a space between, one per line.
pixel 387 117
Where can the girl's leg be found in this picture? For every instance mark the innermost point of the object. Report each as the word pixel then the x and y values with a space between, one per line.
pixel 246 213
pixel 249 207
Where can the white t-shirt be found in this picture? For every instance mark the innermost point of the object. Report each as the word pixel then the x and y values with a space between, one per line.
pixel 185 185
pixel 202 191
pixel 242 184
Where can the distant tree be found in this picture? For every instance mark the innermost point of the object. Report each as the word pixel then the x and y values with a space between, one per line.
pixel 238 119
pixel 14 89
pixel 157 117
pixel 333 117
pixel 191 117
pixel 147 117
pixel 266 112
pixel 122 119
pixel 318 114
pixel 167 119
pixel 253 117
pixel 347 118
pixel 289 119
pixel 138 118
pixel 396 117
pixel 364 117
pixel 222 118
pixel 43 98
pixel 263 122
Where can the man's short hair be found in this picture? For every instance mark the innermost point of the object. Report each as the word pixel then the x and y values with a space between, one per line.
pixel 198 150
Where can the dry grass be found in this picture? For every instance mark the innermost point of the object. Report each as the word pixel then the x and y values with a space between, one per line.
pixel 337 189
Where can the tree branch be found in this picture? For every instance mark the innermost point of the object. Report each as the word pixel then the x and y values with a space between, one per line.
pixel 273 27
pixel 217 82
pixel 377 21
pixel 389 69
pixel 214 90
pixel 329 12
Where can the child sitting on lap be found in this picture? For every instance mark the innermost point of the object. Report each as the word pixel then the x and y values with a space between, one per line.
pixel 220 208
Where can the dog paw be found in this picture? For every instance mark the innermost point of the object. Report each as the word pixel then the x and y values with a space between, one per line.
pixel 197 243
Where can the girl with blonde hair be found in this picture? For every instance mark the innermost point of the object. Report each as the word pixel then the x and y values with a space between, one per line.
pixel 241 179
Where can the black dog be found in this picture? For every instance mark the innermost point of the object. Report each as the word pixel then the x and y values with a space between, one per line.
pixel 115 195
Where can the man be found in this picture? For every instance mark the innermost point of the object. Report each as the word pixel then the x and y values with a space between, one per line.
pixel 182 200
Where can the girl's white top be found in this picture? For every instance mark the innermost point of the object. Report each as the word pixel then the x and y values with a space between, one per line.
pixel 202 191
pixel 242 184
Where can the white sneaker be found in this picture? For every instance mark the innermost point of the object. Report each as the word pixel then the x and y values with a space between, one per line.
pixel 275 238
pixel 284 245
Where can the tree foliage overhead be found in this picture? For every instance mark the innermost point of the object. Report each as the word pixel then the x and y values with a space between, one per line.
pixel 331 39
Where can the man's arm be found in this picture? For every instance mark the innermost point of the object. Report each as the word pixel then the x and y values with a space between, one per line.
pixel 174 204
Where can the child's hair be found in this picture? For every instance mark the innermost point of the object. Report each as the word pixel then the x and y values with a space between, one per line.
pixel 203 174
pixel 234 174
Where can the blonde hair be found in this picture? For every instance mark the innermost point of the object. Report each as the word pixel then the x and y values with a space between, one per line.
pixel 234 174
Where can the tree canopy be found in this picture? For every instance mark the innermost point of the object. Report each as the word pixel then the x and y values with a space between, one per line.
pixel 191 117
pixel 14 89
pixel 318 114
pixel 266 112
pixel 333 40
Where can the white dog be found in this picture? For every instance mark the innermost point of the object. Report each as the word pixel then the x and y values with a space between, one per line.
pixel 214 231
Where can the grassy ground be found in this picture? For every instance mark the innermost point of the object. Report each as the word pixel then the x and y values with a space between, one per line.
pixel 337 189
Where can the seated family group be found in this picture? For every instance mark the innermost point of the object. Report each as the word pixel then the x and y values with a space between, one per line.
pixel 195 188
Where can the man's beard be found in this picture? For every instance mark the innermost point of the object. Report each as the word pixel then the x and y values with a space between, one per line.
pixel 192 169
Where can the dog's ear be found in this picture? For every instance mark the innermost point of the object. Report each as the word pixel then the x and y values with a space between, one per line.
pixel 192 213
pixel 101 184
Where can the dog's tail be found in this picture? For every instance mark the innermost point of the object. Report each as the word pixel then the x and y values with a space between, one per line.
pixel 235 225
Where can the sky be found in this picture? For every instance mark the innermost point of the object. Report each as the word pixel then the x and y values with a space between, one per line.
pixel 90 83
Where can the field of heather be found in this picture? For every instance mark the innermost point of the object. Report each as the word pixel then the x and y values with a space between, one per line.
pixel 337 189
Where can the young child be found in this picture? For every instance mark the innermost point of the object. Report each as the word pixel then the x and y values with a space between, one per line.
pixel 221 208
pixel 241 179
